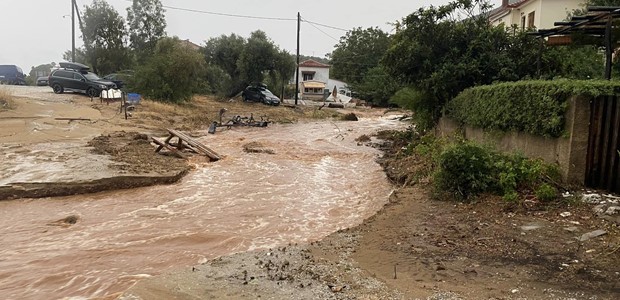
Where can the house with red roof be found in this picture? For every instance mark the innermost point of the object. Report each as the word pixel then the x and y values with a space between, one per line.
pixel 527 14
pixel 314 81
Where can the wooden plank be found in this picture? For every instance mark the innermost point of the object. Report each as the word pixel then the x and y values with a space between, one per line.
pixel 197 145
pixel 167 141
pixel 168 147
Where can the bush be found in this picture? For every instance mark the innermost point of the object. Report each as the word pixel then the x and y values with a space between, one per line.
pixel 422 105
pixel 171 73
pixel 464 170
pixel 546 193
pixel 537 107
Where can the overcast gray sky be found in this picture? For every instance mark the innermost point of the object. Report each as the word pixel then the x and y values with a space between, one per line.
pixel 34 32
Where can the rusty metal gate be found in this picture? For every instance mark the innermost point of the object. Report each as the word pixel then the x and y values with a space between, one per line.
pixel 603 158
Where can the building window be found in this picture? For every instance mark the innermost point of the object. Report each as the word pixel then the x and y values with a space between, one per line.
pixel 522 22
pixel 308 76
pixel 530 20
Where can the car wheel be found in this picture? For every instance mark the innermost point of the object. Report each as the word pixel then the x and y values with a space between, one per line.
pixel 58 89
pixel 91 92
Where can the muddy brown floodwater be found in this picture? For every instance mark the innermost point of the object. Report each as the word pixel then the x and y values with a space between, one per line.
pixel 317 181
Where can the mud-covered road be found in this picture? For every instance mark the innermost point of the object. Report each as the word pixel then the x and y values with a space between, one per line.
pixel 315 180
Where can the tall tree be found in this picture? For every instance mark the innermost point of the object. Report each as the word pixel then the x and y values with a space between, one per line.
pixel 170 73
pixel 223 52
pixel 258 57
pixel 104 36
pixel 147 24
pixel 357 52
pixel 247 61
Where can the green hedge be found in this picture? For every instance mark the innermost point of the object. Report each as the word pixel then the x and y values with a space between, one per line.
pixel 536 106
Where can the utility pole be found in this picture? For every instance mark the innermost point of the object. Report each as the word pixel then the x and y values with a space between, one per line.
pixel 73 30
pixel 297 69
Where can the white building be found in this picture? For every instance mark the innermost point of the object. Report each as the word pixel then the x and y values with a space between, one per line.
pixel 527 14
pixel 314 81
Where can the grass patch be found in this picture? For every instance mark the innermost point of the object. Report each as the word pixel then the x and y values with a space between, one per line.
pixel 7 101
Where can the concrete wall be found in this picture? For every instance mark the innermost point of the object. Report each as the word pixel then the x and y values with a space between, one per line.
pixel 568 152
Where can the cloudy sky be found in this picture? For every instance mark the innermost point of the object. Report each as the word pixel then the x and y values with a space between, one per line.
pixel 35 32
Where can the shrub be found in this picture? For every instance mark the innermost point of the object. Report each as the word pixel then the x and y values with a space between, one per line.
pixel 536 106
pixel 171 73
pixel 546 192
pixel 464 170
pixel 422 105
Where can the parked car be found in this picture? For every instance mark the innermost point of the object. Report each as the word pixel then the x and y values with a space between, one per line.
pixel 12 74
pixel 260 93
pixel 120 78
pixel 42 81
pixel 77 78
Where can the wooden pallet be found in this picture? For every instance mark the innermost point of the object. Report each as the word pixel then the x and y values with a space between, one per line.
pixel 168 147
pixel 185 142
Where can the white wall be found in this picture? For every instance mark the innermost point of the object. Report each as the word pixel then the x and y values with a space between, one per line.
pixel 554 11
pixel 321 74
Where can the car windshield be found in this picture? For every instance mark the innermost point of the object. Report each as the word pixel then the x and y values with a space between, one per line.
pixel 91 76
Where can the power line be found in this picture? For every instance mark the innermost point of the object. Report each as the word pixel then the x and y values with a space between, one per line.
pixel 225 14
pixel 319 29
pixel 326 26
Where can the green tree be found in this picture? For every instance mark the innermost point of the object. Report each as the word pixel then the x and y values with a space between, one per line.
pixel 377 86
pixel 104 37
pixel 357 52
pixel 440 51
pixel 171 73
pixel 147 24
pixel 80 55
pixel 222 53
pixel 248 61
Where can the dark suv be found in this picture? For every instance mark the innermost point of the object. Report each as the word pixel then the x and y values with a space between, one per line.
pixel 77 78
pixel 12 74
pixel 260 93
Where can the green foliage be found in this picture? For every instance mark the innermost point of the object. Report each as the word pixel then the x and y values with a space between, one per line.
pixel 443 50
pixel 546 192
pixel 80 56
pixel 104 35
pixel 466 170
pixel 170 73
pixel 376 86
pixel 357 52
pixel 537 107
pixel 147 24
pixel 421 103
pixel 248 61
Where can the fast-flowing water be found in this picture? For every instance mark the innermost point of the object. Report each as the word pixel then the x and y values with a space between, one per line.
pixel 318 181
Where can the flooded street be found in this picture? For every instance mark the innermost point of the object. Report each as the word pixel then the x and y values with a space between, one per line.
pixel 318 181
